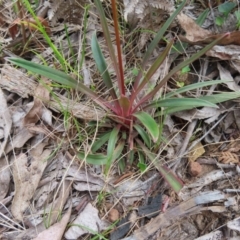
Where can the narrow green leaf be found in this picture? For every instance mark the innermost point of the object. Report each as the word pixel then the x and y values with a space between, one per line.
pixel 179 102
pixel 116 153
pixel 102 66
pixel 201 19
pixel 111 147
pixel 221 97
pixel 177 68
pixel 216 98
pixel 100 142
pixel 107 36
pixel 156 40
pixel 131 157
pixel 174 182
pixel 162 31
pixel 149 123
pixel 170 178
pixel 96 159
pixel 152 70
pixel 194 86
pixel 143 134
pixel 112 141
pixel 62 78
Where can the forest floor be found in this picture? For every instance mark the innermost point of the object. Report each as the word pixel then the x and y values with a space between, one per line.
pixel 48 191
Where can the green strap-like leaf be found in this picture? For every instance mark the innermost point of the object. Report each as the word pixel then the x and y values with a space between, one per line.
pixel 221 97
pixel 143 134
pixel 96 159
pixel 216 98
pixel 116 153
pixel 177 68
pixel 154 67
pixel 112 141
pixel 102 66
pixel 156 40
pixel 194 86
pixel 108 39
pixel 62 78
pixel 179 102
pixel 162 31
pixel 166 173
pixel 100 142
pixel 149 123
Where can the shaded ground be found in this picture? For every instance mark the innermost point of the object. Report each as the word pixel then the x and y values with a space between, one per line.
pixel 47 192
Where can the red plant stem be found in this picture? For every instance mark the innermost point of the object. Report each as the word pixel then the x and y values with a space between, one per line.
pixel 120 63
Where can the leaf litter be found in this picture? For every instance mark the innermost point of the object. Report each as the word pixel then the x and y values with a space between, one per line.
pixel 46 193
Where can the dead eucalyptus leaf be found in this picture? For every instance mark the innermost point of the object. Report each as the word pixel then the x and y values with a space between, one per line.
pixel 197 35
pixel 26 176
pixel 194 33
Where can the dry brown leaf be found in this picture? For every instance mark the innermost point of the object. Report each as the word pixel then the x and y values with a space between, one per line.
pixel 55 232
pixel 197 151
pixel 198 35
pixel 26 176
pixel 194 32
pixel 89 219
pixel 5 122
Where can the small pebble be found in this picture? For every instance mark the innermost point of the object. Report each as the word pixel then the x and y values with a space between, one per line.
pixel 113 215
pixel 195 169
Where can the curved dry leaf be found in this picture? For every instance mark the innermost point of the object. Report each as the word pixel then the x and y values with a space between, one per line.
pixel 26 176
pixel 194 32
pixel 5 122
pixel 197 35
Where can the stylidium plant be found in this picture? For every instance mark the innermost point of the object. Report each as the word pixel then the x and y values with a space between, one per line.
pixel 135 130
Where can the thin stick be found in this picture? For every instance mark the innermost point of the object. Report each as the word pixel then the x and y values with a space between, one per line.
pixel 21 15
